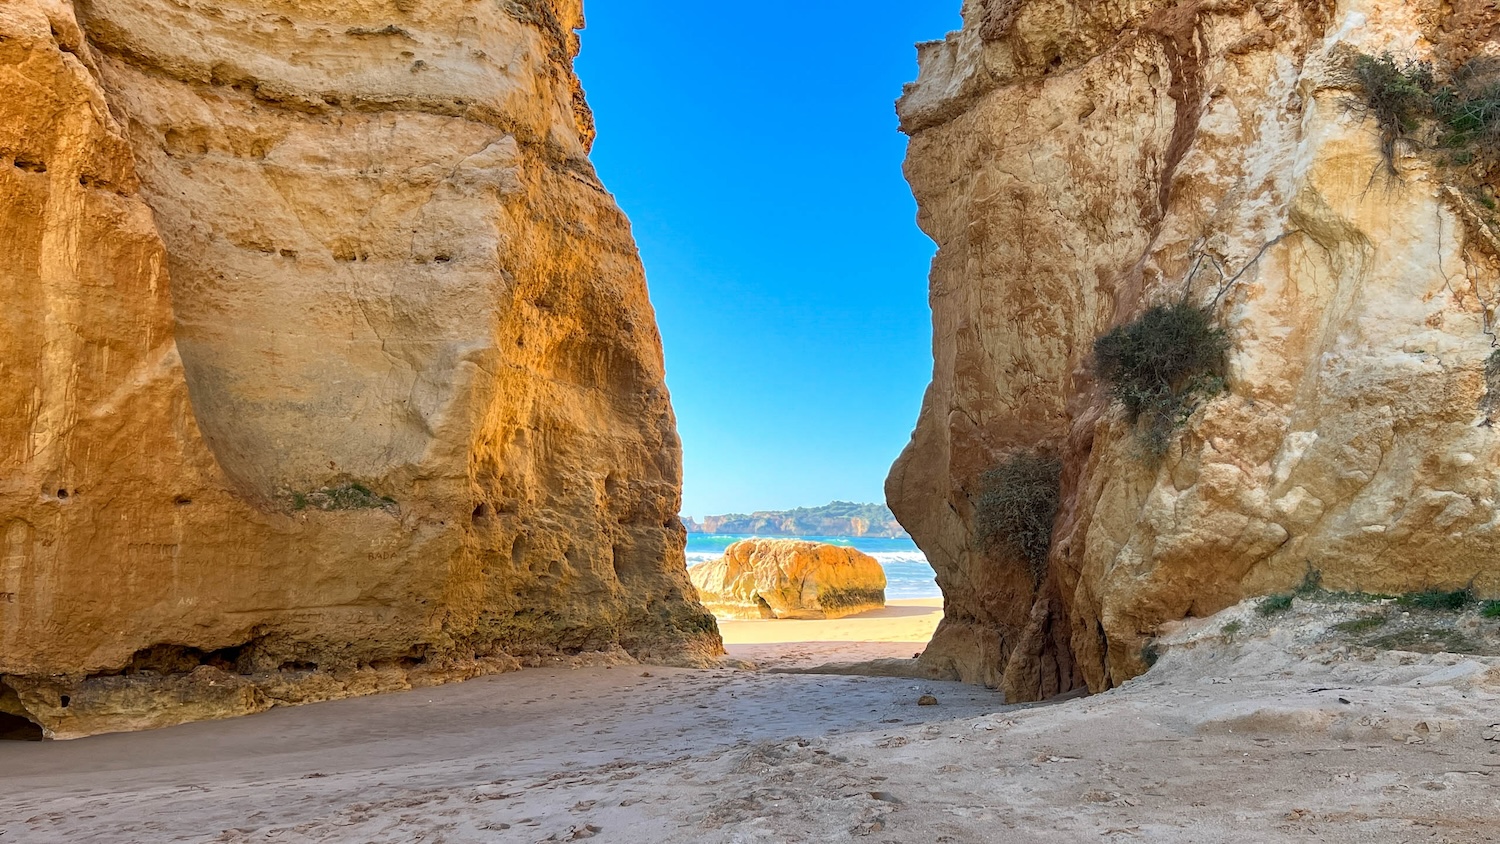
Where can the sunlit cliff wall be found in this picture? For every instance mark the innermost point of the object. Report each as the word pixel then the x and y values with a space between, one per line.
pixel 1078 162
pixel 326 362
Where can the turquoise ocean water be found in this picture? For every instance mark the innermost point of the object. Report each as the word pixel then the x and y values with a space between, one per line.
pixel 907 573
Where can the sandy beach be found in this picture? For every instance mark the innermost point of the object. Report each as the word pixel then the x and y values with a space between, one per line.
pixel 1269 734
pixel 900 631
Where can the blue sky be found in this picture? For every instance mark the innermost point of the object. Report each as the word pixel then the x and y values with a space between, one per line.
pixel 754 146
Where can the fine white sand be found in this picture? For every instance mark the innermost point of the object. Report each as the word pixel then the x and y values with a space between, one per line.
pixel 1272 733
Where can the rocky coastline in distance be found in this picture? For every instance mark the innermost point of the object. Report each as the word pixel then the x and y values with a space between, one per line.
pixel 840 518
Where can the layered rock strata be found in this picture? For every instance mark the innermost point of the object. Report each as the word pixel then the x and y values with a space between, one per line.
pixel 328 362
pixel 1079 162
pixel 790 578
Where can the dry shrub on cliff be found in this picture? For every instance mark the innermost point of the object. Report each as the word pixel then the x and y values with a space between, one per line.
pixel 1469 109
pixel 1018 503
pixel 1466 110
pixel 1398 95
pixel 1160 366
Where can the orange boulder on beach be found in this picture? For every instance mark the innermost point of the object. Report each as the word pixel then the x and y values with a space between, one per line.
pixel 789 578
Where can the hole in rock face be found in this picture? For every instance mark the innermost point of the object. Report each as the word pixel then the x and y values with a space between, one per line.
pixel 481 513
pixel 62 495
pixel 765 608
pixel 179 659
pixel 16 728
pixel 13 725
pixel 414 657
pixel 66 701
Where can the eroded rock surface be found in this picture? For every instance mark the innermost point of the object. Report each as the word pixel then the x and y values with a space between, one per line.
pixel 1079 162
pixel 789 578
pixel 328 362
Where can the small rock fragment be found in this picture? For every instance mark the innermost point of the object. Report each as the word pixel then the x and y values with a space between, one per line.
pixel 927 700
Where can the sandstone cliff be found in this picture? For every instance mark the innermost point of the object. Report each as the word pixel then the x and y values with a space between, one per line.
pixel 1079 162
pixel 328 362
pixel 789 578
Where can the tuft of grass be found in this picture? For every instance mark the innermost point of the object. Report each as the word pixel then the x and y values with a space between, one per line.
pixel 1438 600
pixel 1160 366
pixel 1312 583
pixel 1428 640
pixel 1232 628
pixel 1360 626
pixel 1312 588
pixel 1490 609
pixel 1150 654
pixel 1017 506
pixel 1275 605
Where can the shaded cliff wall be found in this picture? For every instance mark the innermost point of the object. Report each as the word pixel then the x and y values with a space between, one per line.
pixel 1077 162
pixel 328 362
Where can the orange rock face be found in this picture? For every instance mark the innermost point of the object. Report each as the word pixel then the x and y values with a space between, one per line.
pixel 328 363
pixel 790 578
pixel 1078 163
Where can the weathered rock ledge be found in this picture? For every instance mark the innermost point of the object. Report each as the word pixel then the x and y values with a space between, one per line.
pixel 328 364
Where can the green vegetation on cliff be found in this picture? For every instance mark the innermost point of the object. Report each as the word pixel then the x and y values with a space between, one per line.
pixel 841 518
pixel 1161 366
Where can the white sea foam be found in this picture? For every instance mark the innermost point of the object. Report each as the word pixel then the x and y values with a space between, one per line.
pixel 887 557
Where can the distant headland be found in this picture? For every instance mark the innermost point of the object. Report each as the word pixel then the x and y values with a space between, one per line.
pixel 841 518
